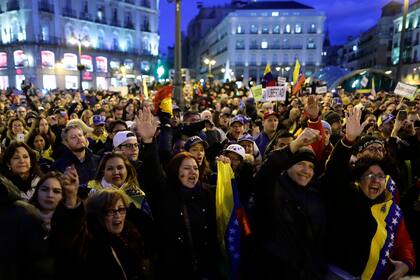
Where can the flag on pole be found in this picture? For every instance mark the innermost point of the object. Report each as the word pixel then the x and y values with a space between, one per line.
pixel 226 75
pixel 268 79
pixel 163 100
pixel 299 84
pixel 145 89
pixel 296 71
pixel 373 91
pixel 232 222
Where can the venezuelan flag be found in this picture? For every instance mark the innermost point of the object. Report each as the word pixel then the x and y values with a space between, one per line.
pixel 268 79
pixel 232 222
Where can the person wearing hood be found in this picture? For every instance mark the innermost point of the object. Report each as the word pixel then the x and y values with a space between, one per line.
pixel 183 210
pixel 366 228
pixel 290 218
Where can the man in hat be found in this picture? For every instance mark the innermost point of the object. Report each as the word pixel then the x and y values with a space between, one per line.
pixel 236 128
pixel 290 216
pixel 270 123
pixel 99 135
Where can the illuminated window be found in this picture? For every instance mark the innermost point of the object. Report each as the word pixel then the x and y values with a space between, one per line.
pixel 298 28
pixel 254 29
pixel 288 28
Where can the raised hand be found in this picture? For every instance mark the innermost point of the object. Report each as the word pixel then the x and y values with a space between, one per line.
pixel 312 108
pixel 307 137
pixel 353 126
pixel 70 187
pixel 145 125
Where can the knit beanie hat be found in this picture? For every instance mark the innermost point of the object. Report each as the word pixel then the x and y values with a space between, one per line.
pixel 303 154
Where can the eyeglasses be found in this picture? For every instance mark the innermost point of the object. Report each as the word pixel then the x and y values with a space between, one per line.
pixel 376 177
pixel 376 149
pixel 113 212
pixel 130 146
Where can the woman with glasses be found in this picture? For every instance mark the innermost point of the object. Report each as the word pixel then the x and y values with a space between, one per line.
pixel 367 235
pixel 96 240
pixel 16 131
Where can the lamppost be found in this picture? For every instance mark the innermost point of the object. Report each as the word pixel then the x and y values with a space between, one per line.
pixel 79 41
pixel 282 69
pixel 179 97
pixel 210 63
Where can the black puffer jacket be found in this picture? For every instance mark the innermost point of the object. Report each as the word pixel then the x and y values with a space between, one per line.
pixel 23 251
pixel 178 253
pixel 290 223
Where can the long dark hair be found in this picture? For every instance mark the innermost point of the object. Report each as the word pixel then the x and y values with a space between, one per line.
pixel 172 169
pixel 131 171
pixel 10 151
pixel 49 175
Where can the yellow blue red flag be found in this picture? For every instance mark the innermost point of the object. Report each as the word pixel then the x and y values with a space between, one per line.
pixel 296 71
pixel 232 222
pixel 268 79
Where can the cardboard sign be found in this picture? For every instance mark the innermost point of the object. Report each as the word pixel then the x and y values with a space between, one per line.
pixel 281 80
pixel 321 90
pixel 275 93
pixel 257 92
pixel 364 81
pixel 406 91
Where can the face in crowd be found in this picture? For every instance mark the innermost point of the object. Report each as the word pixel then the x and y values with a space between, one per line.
pixel 130 148
pixel 372 182
pixel 115 217
pixel 248 146
pixel 20 163
pixel 235 160
pixel 198 151
pixel 115 171
pixel 302 172
pixel 188 173
pixel 270 124
pixel 75 140
pixel 237 129
pixel 49 194
pixel 373 151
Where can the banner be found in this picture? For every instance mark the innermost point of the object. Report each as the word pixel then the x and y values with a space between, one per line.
pixel 275 93
pixel 47 59
pixel 3 60
pixel 101 64
pixel 406 91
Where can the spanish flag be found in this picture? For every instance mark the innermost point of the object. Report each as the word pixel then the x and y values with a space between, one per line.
pixel 232 222
pixel 296 71
pixel 163 100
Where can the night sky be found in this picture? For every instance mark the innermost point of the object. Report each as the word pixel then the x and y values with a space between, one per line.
pixel 344 17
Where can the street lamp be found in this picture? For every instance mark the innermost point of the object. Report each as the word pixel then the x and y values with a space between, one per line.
pixel 79 42
pixel 179 97
pixel 210 63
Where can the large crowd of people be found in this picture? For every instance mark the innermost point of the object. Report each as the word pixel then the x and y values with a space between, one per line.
pixel 99 185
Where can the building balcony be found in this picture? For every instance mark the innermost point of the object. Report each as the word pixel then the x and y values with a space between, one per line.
pixel 85 16
pixel 101 20
pixel 115 22
pixel 239 47
pixel 146 3
pixel 254 47
pixel 129 24
pixel 67 12
pixel 12 5
pixel 145 28
pixel 45 7
pixel 312 31
pixel 275 47
pixel 130 2
pixel 50 40
pixel 297 47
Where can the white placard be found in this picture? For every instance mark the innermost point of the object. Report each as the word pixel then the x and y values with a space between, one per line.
pixel 281 80
pixel 364 81
pixel 275 93
pixel 405 90
pixel 321 90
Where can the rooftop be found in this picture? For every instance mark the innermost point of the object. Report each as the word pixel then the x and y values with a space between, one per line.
pixel 277 5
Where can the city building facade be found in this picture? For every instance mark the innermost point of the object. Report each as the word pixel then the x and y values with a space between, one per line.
pixel 410 70
pixel 373 48
pixel 43 41
pixel 261 33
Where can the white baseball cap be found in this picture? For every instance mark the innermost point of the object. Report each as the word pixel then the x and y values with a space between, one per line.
pixel 122 136
pixel 237 149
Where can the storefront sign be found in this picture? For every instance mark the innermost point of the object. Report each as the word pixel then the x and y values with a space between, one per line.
pixel 47 59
